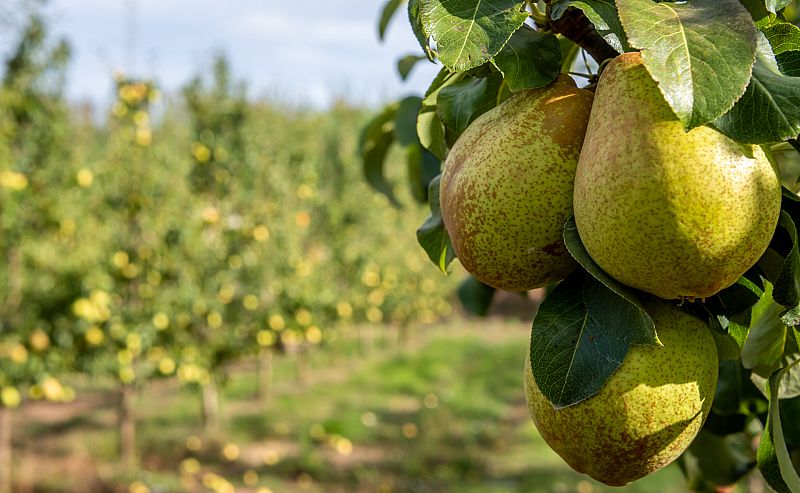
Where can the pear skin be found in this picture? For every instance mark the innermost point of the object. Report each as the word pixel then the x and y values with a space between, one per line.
pixel 648 411
pixel 506 187
pixel 676 214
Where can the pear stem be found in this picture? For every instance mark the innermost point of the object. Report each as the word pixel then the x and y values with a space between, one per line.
pixel 576 27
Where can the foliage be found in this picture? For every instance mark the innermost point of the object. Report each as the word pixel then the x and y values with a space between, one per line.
pixel 731 65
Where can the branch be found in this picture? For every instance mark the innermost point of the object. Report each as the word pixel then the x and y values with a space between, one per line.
pixel 574 26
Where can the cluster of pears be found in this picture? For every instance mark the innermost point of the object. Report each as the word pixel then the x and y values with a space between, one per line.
pixel 678 215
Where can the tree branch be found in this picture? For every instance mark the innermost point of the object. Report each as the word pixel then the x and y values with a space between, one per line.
pixel 574 26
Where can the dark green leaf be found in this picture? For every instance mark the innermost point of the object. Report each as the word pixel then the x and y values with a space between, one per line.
pixel 580 336
pixel 787 288
pixel 386 15
pixel 461 103
pixel 769 110
pixel 713 460
pixel 782 36
pixel 530 59
pixel 727 347
pixel 569 52
pixel 475 296
pixel 422 168
pixel 376 139
pixel 415 19
pixel 773 457
pixel 468 33
pixel 603 14
pixel 432 235
pixel 405 121
pixel 735 299
pixel 763 349
pixel 408 62
pixel 575 246
pixel 789 63
pixel 699 52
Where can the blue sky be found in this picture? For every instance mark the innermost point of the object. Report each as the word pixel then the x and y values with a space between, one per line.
pixel 300 53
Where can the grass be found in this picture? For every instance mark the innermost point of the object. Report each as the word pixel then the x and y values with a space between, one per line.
pixel 446 414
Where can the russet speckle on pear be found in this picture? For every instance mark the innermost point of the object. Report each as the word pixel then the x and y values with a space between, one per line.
pixel 506 187
pixel 676 214
pixel 649 410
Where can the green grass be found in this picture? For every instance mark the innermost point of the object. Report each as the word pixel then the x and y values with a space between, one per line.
pixel 445 415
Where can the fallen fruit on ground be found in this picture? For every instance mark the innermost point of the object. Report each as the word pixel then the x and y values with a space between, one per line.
pixel 676 214
pixel 649 410
pixel 506 187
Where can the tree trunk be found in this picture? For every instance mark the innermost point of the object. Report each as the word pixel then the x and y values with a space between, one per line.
pixel 302 366
pixel 126 414
pixel 211 420
pixel 264 375
pixel 5 450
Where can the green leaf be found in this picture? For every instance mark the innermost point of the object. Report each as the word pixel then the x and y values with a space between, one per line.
pixel 376 139
pixel 530 59
pixel 430 128
pixel 432 235
pixel 415 19
pixel 764 346
pixel 407 63
pixel 422 169
pixel 769 110
pixel 569 52
pixel 461 103
pixel 475 296
pixel 699 52
pixel 603 14
pixel 735 299
pixel 405 120
pixel 713 460
pixel 786 290
pixel 468 33
pixel 774 461
pixel 775 5
pixel 782 36
pixel 386 15
pixel 575 246
pixel 580 336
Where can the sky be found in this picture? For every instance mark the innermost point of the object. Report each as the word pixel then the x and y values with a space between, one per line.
pixel 306 54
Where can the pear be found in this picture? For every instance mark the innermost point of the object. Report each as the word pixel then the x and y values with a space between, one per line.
pixel 676 214
pixel 648 411
pixel 506 186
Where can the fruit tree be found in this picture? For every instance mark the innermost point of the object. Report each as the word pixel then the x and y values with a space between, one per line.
pixel 637 158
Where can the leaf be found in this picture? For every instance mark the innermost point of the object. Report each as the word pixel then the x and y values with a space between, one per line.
pixel 575 246
pixel 603 14
pixel 407 63
pixel 530 59
pixel 775 5
pixel 580 336
pixel 430 128
pixel 735 299
pixel 376 139
pixel 468 33
pixel 712 460
pixel 432 235
pixel 769 110
pixel 774 461
pixel 461 103
pixel 786 290
pixel 386 15
pixel 422 168
pixel 475 296
pixel 764 346
pixel 405 120
pixel 782 36
pixel 415 19
pixel 699 52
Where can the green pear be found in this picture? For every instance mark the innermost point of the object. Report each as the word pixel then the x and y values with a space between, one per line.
pixel 506 187
pixel 677 214
pixel 648 411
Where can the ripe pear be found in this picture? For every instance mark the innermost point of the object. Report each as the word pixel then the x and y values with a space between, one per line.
pixel 676 214
pixel 648 411
pixel 506 187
